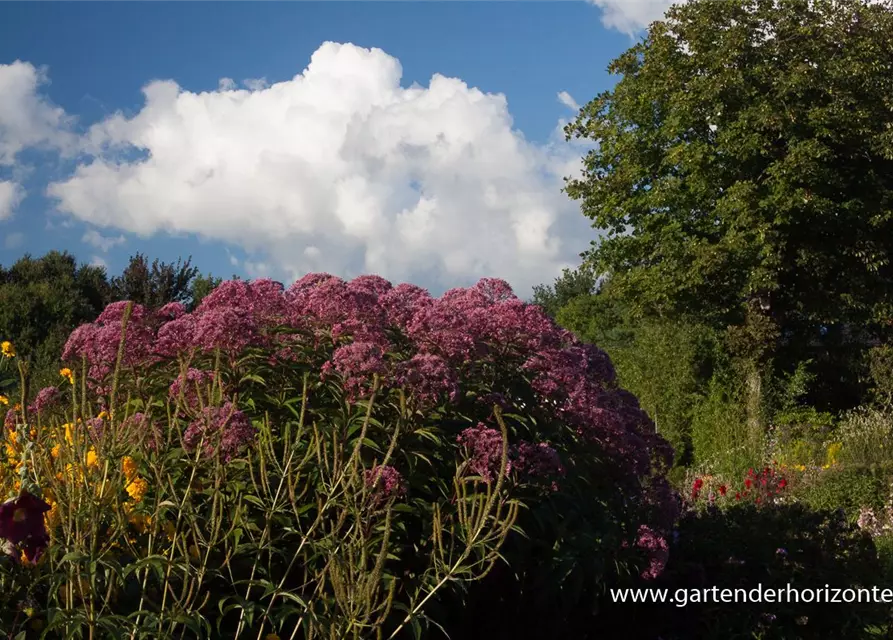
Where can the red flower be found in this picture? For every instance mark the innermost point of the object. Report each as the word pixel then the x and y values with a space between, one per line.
pixel 22 523
pixel 782 483
pixel 722 489
pixel 737 496
pixel 696 488
pixel 747 483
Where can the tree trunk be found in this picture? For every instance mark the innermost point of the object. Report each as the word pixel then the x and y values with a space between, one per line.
pixel 754 403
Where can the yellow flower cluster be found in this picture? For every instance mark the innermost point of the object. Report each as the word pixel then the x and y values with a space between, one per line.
pixel 67 373
pixel 137 487
pixel 4 400
pixel 832 453
pixel 7 349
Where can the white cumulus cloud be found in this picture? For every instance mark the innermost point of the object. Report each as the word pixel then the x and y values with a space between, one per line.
pixel 101 242
pixel 11 194
pixel 27 119
pixel 631 16
pixel 339 169
pixel 568 100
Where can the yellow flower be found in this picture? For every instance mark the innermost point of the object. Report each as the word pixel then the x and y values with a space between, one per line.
pixel 65 372
pixel 69 436
pixel 4 400
pixel 140 521
pixel 138 489
pixel 833 450
pixel 56 451
pixel 103 415
pixel 92 458
pixel 800 467
pixel 128 465
pixel 7 349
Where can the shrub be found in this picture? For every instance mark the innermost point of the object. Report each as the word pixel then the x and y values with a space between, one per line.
pixel 772 546
pixel 327 459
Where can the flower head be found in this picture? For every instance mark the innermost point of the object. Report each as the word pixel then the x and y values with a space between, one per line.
pixel 386 481
pixel 7 349
pixel 22 523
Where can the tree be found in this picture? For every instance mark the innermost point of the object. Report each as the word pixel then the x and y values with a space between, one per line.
pixel 744 175
pixel 41 301
pixel 201 287
pixel 157 285
pixel 571 284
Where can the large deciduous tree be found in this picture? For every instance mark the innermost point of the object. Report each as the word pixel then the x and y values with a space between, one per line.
pixel 743 174
pixel 42 300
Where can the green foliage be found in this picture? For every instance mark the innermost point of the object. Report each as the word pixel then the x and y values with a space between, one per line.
pixel 665 366
pixel 866 438
pixel 745 546
pixel 880 369
pixel 567 287
pixel 157 284
pixel 734 123
pixel 721 441
pixel 201 286
pixel 847 489
pixel 41 301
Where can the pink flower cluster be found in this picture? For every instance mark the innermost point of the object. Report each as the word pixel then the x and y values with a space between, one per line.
pixel 224 430
pixel 45 399
pixel 658 551
pixel 386 482
pixel 427 345
pixel 530 462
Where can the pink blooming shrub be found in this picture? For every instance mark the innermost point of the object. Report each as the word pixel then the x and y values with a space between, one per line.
pixel 570 429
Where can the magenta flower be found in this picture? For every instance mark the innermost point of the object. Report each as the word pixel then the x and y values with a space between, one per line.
pixel 428 378
pixel 537 462
pixel 484 448
pixel 45 399
pixel 357 362
pixel 658 551
pixel 386 481
pixel 224 429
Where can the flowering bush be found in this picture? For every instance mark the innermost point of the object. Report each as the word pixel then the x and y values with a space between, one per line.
pixel 324 460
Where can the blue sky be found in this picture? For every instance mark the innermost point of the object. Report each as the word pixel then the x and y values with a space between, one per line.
pixel 197 128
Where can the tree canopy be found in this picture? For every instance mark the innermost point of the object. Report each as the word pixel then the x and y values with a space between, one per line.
pixel 745 157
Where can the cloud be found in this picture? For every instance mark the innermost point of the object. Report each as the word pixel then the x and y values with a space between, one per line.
pixel 339 169
pixel 101 242
pixel 631 16
pixel 14 240
pixel 568 101
pixel 27 119
pixel 11 194
pixel 99 261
